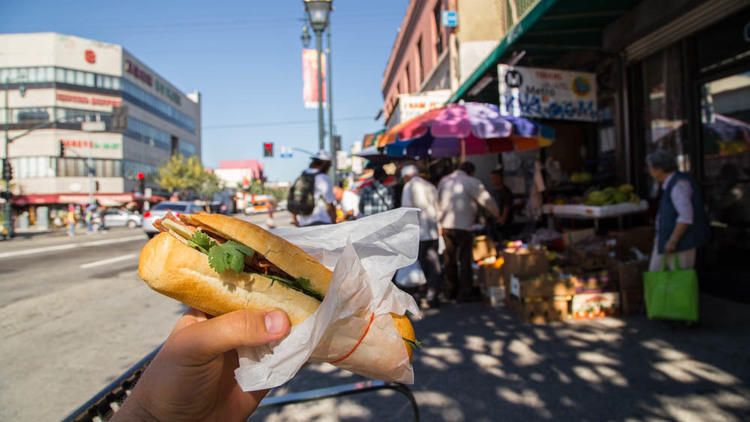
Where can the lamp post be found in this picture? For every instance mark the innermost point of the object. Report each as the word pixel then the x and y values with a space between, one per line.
pixel 6 160
pixel 317 14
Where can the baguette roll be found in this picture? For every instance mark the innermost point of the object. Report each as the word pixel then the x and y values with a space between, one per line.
pixel 370 345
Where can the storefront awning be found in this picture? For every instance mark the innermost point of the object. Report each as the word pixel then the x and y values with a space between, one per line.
pixel 105 199
pixel 547 31
pixel 371 139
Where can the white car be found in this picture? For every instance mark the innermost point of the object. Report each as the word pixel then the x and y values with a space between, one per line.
pixel 121 218
pixel 160 210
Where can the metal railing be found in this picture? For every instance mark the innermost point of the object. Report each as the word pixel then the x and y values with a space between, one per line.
pixel 106 402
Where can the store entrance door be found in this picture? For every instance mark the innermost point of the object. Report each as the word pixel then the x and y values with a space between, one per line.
pixel 725 137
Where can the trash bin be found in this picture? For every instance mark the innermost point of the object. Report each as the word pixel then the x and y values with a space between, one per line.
pixel 42 218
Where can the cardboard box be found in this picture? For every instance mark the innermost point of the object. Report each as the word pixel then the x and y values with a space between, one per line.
pixel 483 247
pixel 495 295
pixel 571 237
pixel 595 305
pixel 547 285
pixel 593 259
pixel 524 262
pixel 630 274
pixel 488 276
pixel 641 238
pixel 632 302
pixel 539 312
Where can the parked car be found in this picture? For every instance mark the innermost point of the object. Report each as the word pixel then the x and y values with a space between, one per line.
pixel 121 218
pixel 160 210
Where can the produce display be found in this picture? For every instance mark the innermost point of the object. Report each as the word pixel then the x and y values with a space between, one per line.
pixel 612 195
pixel 581 177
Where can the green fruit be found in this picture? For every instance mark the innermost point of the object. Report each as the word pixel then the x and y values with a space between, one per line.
pixel 621 196
pixel 627 188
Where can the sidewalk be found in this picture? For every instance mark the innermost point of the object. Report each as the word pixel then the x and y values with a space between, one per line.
pixel 481 364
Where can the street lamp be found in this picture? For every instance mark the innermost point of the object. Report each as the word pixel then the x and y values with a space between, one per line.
pixel 7 176
pixel 317 14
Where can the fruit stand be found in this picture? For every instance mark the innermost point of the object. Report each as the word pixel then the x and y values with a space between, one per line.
pixel 597 205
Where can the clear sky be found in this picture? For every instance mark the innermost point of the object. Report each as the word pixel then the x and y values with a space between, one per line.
pixel 245 59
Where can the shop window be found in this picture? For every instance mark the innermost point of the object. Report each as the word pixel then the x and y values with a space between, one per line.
pixel 664 122
pixel 438 26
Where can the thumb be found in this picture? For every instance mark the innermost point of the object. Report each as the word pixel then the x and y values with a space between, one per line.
pixel 201 342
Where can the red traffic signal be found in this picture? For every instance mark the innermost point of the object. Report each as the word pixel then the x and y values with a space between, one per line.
pixel 140 176
pixel 268 149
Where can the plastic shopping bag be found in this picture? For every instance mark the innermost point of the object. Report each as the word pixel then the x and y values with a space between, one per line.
pixel 671 294
pixel 410 276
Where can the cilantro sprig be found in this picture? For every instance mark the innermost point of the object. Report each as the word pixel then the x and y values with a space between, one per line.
pixel 230 255
pixel 413 343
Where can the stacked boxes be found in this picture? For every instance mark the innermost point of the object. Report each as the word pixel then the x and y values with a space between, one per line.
pixel 491 282
pixel 536 295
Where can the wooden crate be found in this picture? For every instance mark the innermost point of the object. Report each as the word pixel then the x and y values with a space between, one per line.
pixel 540 311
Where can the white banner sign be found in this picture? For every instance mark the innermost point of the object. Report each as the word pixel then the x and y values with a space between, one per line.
pixel 547 93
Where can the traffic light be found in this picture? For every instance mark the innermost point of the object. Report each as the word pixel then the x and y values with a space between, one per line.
pixel 141 182
pixel 62 149
pixel 96 186
pixel 336 142
pixel 7 170
pixel 268 149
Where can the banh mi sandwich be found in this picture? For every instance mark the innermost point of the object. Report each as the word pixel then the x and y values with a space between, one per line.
pixel 219 264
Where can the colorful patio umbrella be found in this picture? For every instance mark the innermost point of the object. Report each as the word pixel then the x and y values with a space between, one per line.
pixel 464 129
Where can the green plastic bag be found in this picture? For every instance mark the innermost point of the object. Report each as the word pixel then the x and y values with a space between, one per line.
pixel 671 294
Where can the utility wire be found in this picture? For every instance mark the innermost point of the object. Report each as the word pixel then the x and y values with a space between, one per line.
pixel 280 123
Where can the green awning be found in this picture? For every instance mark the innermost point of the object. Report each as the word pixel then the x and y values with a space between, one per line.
pixel 549 30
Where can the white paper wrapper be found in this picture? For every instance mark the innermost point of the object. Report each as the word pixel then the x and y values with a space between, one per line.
pixel 364 254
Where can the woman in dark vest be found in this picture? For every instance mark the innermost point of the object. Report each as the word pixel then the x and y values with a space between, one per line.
pixel 681 223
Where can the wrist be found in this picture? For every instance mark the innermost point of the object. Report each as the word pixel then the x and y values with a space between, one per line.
pixel 133 410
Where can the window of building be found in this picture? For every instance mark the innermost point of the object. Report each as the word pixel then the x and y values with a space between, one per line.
pixel 420 62
pixel 438 28
pixel 187 149
pixel 143 99
pixel 144 132
pixel 408 79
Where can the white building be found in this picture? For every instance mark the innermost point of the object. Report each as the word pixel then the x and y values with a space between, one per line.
pixel 68 80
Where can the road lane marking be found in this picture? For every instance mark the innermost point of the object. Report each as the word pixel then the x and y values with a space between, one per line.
pixel 108 261
pixel 69 246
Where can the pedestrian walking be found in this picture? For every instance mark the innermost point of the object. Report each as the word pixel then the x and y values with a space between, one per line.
pixel 311 199
pixel 681 222
pixel 421 194
pixel 89 219
pixel 70 220
pixel 459 195
pixel 376 197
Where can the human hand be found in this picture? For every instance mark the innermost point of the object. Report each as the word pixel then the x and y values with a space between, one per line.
pixel 192 377
pixel 670 247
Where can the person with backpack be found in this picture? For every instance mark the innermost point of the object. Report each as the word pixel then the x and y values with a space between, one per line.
pixel 311 200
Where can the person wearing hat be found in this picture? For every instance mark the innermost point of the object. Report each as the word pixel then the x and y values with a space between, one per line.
pixel 325 210
pixel 421 194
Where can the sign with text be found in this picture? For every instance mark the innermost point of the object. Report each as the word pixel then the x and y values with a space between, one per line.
pixel 547 93
pixel 310 77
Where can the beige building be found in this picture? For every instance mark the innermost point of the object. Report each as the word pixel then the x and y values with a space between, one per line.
pixel 63 81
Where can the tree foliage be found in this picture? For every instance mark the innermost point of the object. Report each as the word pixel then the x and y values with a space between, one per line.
pixel 185 175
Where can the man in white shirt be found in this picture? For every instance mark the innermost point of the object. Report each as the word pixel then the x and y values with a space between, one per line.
pixel 459 195
pixel 324 211
pixel 419 193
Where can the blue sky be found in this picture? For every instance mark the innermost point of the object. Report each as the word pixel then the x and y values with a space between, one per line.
pixel 244 57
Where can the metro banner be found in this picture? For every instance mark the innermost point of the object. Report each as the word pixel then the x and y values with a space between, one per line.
pixel 310 77
pixel 547 93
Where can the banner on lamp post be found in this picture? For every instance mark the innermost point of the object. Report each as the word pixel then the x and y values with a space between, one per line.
pixel 310 77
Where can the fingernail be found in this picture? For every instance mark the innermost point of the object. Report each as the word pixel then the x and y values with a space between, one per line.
pixel 274 322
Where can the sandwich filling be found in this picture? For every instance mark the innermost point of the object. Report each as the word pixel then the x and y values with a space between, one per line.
pixel 224 254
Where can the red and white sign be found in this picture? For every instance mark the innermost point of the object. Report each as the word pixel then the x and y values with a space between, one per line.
pixel 90 56
pixel 139 73
pixel 310 77
pixel 88 99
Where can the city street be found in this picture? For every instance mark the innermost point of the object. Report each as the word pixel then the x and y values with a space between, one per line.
pixel 75 316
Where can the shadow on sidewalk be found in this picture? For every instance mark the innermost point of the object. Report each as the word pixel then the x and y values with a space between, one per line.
pixel 481 364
